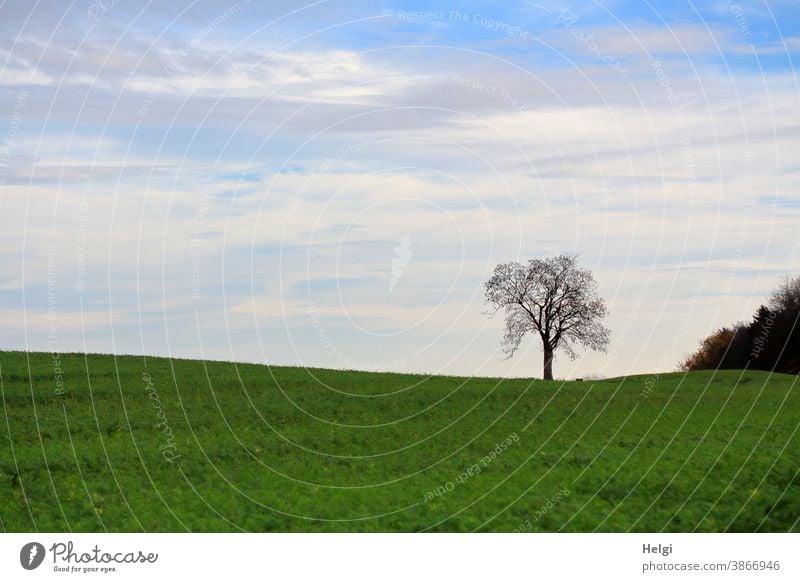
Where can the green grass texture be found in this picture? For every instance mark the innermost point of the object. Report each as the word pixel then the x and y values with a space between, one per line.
pixel 95 443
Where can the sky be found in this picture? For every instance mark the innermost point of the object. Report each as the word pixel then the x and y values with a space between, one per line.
pixel 330 184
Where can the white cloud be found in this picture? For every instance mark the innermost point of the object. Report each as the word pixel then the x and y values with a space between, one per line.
pixel 596 164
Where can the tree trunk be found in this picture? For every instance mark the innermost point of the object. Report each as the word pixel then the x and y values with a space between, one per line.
pixel 548 363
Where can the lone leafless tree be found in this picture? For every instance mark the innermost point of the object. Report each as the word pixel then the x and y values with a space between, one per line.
pixel 551 297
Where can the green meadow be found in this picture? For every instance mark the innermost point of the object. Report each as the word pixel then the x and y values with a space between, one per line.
pixel 127 444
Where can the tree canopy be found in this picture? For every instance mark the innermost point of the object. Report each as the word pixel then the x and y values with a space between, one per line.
pixel 552 298
pixel 771 341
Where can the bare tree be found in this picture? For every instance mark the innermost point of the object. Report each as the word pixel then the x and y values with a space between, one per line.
pixel 787 295
pixel 552 298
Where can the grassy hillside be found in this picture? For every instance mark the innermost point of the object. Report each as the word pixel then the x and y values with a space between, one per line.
pixel 129 444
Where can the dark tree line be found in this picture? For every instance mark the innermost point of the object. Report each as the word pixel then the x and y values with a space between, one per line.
pixel 771 341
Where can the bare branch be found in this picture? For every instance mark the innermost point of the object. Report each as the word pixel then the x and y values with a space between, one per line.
pixel 552 297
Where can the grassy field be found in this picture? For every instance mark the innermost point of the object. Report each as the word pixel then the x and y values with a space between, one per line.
pixel 100 443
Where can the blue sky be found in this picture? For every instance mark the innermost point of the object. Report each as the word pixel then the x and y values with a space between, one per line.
pixel 329 184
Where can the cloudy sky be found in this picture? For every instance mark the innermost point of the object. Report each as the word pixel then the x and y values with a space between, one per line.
pixel 329 184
